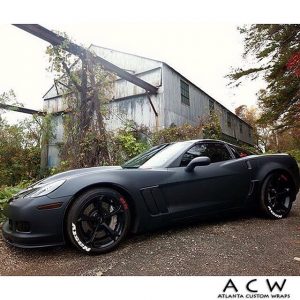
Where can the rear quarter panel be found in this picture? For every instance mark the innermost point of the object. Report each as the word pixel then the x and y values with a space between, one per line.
pixel 263 165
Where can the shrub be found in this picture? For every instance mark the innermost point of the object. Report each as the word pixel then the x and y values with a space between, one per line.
pixel 295 153
pixel 176 133
pixel 6 192
pixel 20 152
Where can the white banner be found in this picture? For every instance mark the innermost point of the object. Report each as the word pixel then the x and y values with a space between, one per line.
pixel 150 288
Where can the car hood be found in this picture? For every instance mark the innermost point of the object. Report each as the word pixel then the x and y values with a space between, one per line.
pixel 64 176
pixel 76 173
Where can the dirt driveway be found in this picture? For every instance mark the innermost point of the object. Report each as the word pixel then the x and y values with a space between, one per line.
pixel 232 245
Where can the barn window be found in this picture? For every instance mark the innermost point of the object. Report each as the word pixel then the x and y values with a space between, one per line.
pixel 185 93
pixel 211 106
pixel 228 119
pixel 249 132
pixel 241 128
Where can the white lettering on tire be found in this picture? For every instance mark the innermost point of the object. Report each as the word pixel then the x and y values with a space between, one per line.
pixel 273 213
pixel 79 242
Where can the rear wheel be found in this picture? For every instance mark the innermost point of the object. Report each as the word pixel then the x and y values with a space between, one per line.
pixel 277 195
pixel 98 220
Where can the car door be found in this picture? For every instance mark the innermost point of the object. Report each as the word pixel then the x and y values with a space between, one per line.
pixel 223 184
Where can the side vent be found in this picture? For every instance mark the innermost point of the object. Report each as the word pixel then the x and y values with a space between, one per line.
pixel 253 187
pixel 154 200
pixel 248 165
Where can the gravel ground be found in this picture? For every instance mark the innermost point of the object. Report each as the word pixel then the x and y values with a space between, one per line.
pixel 232 245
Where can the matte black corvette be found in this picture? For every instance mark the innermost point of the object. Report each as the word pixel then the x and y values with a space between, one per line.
pixel 95 208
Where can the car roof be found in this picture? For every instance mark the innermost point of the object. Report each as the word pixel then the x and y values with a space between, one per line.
pixel 220 141
pixel 206 140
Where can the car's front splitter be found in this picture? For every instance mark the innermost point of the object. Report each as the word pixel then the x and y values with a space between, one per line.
pixel 30 227
pixel 26 241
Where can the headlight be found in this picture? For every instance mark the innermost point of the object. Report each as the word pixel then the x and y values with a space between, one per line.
pixel 45 189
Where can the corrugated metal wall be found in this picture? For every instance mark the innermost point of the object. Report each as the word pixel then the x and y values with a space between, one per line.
pixel 179 113
pixel 131 103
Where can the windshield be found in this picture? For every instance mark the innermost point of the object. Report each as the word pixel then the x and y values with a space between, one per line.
pixel 157 156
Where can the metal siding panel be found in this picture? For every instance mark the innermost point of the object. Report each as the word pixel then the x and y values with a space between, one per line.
pixel 137 109
pixel 53 155
pixel 178 113
pixel 123 88
pixel 175 111
pixel 126 61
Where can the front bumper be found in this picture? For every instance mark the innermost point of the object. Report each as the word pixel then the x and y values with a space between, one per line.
pixel 44 227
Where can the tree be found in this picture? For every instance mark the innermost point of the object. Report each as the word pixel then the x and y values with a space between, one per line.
pixel 275 52
pixel 250 115
pixel 20 152
pixel 129 141
pixel 261 132
pixel 266 136
pixel 20 146
pixel 8 98
pixel 212 127
pixel 87 91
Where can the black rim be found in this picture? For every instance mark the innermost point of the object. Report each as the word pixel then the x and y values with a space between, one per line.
pixel 279 194
pixel 101 221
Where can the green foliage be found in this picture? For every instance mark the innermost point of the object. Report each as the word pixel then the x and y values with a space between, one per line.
pixel 295 153
pixel 62 167
pixel 9 98
pixel 87 90
pixel 20 145
pixel 212 128
pixel 176 133
pixel 6 193
pixel 127 147
pixel 20 152
pixel 249 148
pixel 130 141
pixel 275 49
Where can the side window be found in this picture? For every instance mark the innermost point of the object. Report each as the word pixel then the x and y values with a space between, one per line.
pixel 239 152
pixel 235 152
pixel 185 93
pixel 196 151
pixel 216 152
pixel 211 106
pixel 229 119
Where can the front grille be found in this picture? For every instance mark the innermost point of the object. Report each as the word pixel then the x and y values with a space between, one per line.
pixel 10 224
pixel 22 226
pixel 19 226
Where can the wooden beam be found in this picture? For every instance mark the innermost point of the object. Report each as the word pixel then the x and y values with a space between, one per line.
pixel 152 105
pixel 22 109
pixel 57 40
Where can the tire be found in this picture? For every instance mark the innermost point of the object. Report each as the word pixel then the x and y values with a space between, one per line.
pixel 98 221
pixel 277 195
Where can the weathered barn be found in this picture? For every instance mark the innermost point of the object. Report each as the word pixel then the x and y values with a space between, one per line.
pixel 178 101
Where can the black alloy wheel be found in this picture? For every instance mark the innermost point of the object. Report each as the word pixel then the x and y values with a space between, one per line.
pixel 98 220
pixel 277 195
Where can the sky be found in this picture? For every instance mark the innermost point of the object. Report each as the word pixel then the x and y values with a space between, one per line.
pixel 202 52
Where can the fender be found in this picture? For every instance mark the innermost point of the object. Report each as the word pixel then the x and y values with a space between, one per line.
pixel 264 165
pixel 128 181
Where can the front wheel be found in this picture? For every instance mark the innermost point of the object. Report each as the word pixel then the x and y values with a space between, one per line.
pixel 277 195
pixel 98 220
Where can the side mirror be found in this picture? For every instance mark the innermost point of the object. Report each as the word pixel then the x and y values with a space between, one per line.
pixel 198 161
